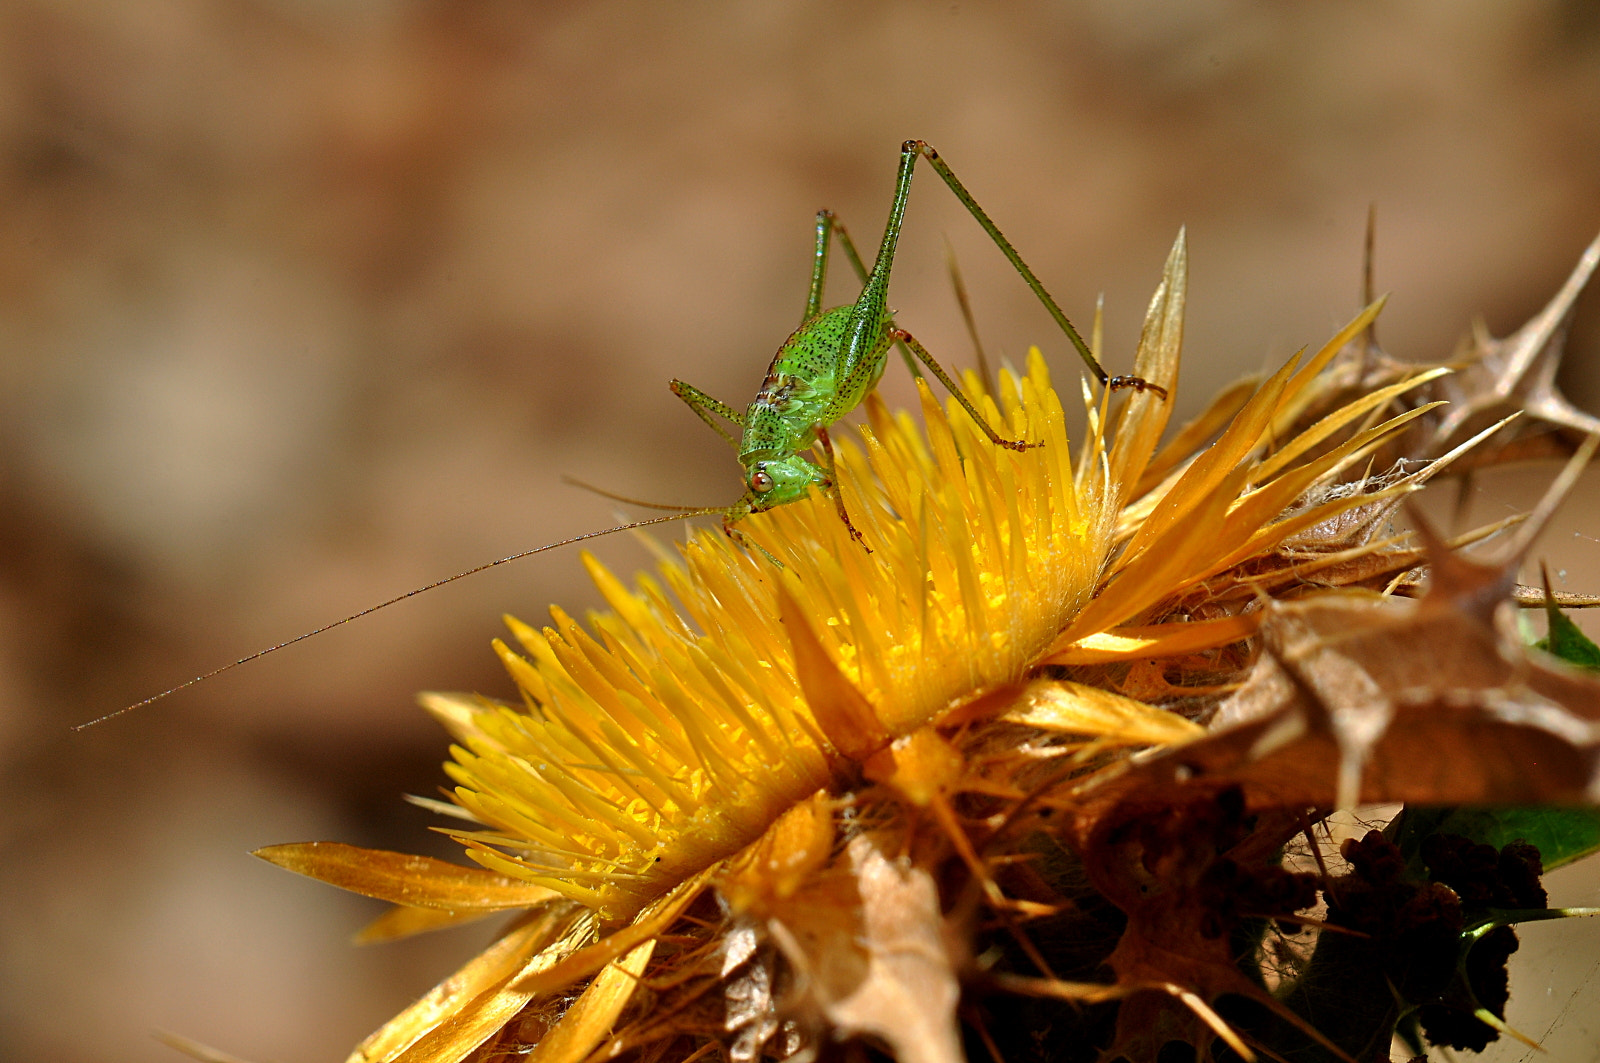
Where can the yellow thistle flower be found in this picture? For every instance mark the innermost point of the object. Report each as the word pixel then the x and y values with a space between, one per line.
pixel 717 723
pixel 676 735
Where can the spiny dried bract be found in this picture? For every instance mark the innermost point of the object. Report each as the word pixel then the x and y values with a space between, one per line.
pixel 896 797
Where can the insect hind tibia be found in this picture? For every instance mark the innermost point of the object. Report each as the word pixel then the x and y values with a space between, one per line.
pixel 959 190
pixel 395 600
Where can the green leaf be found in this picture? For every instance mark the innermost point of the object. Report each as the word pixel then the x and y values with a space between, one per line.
pixel 1568 642
pixel 1561 835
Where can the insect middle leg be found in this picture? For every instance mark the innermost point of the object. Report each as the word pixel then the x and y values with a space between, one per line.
pixel 834 487
pixel 950 385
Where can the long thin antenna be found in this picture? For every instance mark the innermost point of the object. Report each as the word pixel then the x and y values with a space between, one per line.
pixel 573 481
pixel 1369 335
pixel 392 601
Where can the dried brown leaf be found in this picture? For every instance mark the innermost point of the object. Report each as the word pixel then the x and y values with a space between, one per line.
pixel 892 978
pixel 1361 699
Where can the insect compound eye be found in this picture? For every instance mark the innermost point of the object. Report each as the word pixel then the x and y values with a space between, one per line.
pixel 760 482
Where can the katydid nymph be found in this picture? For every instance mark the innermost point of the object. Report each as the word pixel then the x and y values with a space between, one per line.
pixel 828 365
pixel 821 372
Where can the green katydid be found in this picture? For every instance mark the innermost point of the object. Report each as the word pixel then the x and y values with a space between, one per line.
pixel 828 365
pixel 823 371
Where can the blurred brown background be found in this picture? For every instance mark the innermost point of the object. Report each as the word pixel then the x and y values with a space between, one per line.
pixel 306 302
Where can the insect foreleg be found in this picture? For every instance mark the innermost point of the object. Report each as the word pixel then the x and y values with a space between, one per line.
pixel 834 487
pixel 944 378
pixel 739 538
pixel 709 409
pixel 1027 274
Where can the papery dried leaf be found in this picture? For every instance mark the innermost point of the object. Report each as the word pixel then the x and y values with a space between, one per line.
pixel 413 881
pixel 1354 698
pixel 750 997
pixel 1342 709
pixel 1519 372
pixel 1144 416
pixel 1185 869
pixel 1561 835
pixel 901 988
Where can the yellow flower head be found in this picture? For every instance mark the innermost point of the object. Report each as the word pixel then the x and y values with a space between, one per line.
pixel 676 734
pixel 679 731
pixel 758 719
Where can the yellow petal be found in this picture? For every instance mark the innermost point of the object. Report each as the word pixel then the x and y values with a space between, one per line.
pixel 471 990
pixel 592 1014
pixel 651 922
pixel 1211 470
pixel 403 921
pixel 772 868
pixel 844 716
pixel 1224 406
pixel 1057 705
pixel 1155 640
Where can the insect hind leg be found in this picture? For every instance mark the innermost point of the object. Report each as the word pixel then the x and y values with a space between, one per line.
pixel 979 215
